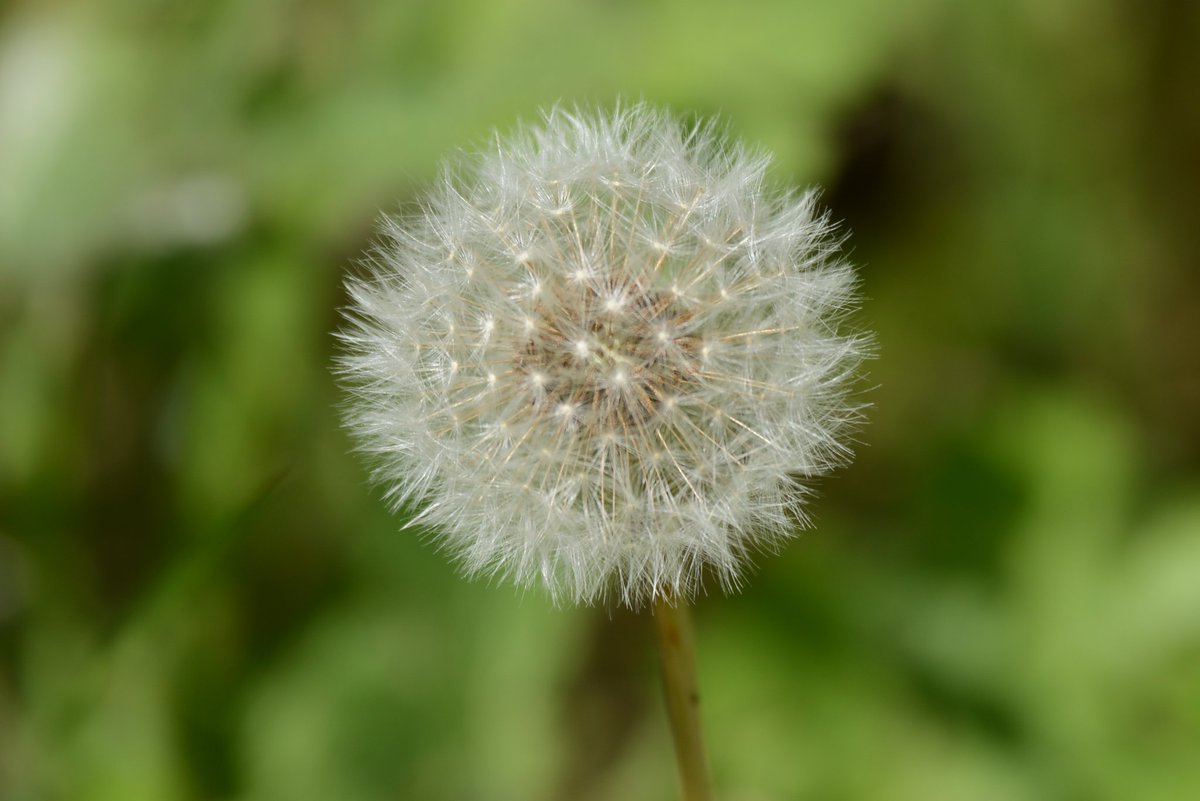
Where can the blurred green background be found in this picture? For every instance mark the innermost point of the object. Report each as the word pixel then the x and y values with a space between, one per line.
pixel 201 598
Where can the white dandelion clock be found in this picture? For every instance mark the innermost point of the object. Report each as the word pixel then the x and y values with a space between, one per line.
pixel 606 357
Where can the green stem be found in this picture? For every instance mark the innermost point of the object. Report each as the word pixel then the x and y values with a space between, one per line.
pixel 683 696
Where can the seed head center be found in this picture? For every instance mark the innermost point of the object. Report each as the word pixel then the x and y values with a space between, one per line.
pixel 611 365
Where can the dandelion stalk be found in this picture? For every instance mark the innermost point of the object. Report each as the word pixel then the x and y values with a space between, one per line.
pixel 678 663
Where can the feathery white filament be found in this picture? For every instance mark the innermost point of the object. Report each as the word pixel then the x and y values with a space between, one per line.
pixel 605 356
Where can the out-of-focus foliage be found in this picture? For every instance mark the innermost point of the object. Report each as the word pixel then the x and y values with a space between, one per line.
pixel 200 598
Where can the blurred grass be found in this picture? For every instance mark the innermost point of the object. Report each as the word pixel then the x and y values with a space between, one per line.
pixel 200 598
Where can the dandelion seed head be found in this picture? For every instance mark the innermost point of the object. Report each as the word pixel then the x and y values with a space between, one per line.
pixel 632 377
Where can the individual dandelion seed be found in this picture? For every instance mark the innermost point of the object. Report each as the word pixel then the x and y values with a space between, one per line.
pixel 605 357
